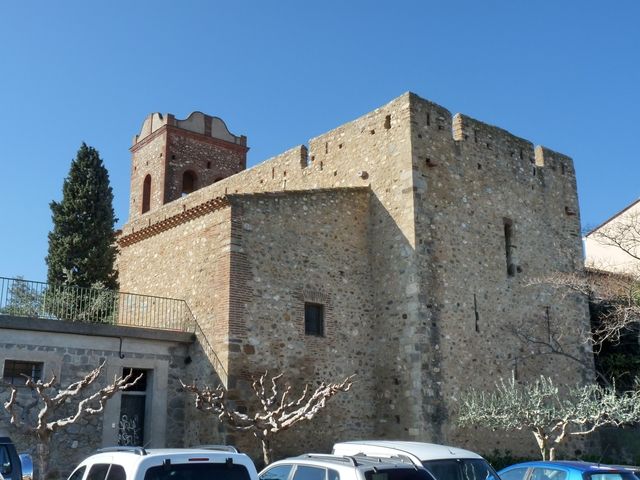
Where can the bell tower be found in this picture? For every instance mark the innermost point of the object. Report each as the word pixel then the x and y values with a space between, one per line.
pixel 171 158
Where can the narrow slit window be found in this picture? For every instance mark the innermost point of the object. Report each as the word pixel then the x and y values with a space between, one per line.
pixel 509 246
pixel 146 194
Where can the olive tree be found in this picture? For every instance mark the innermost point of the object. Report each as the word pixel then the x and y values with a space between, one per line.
pixel 551 414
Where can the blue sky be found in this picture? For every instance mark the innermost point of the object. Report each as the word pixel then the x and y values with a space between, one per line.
pixel 562 74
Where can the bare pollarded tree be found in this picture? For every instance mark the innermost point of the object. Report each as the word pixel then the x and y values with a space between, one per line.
pixel 278 409
pixel 611 283
pixel 56 409
pixel 614 301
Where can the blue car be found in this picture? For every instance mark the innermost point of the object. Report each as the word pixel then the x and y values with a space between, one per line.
pixel 564 470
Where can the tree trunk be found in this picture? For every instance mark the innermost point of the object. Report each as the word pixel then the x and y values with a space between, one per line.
pixel 552 453
pixel 543 445
pixel 43 454
pixel 267 454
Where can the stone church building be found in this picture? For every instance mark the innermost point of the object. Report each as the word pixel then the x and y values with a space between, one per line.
pixel 399 247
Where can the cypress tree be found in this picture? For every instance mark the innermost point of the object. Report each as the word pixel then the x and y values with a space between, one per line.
pixel 82 247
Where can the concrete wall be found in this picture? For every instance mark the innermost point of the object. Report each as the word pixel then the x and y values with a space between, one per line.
pixel 601 254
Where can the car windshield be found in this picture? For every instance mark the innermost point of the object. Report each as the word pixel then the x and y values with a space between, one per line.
pixel 409 473
pixel 462 469
pixel 190 471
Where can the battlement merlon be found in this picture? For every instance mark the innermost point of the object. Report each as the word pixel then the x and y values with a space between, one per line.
pixel 197 122
pixel 545 157
pixel 468 129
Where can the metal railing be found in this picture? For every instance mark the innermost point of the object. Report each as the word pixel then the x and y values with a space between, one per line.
pixel 25 298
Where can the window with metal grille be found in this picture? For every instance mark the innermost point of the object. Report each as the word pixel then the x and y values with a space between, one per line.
pixel 314 319
pixel 133 404
pixel 14 371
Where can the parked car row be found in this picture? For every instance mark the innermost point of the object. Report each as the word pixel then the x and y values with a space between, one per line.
pixel 374 460
pixel 361 460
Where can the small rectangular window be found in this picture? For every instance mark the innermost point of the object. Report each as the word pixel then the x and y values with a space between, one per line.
pixel 314 319
pixel 14 371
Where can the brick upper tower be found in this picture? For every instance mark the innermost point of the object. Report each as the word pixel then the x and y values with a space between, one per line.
pixel 172 158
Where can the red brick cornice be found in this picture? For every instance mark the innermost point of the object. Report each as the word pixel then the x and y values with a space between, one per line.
pixel 203 138
pixel 189 134
pixel 171 222
pixel 148 138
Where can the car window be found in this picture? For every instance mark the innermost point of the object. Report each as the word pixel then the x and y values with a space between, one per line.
pixel 460 469
pixel 77 473
pixel 612 476
pixel 116 472
pixel 279 472
pixel 98 471
pixel 5 461
pixel 191 471
pixel 398 474
pixel 333 475
pixel 548 474
pixel 309 473
pixel 515 474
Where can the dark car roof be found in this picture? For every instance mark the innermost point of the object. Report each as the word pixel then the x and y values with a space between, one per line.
pixel 575 464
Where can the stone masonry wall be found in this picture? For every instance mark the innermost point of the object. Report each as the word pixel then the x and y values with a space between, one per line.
pixel 69 357
pixel 192 263
pixel 467 187
pixel 167 153
pixel 150 160
pixel 289 237
pixel 442 188
pixel 209 159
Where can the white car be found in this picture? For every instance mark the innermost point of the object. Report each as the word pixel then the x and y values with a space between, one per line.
pixel 337 467
pixel 445 463
pixel 137 463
